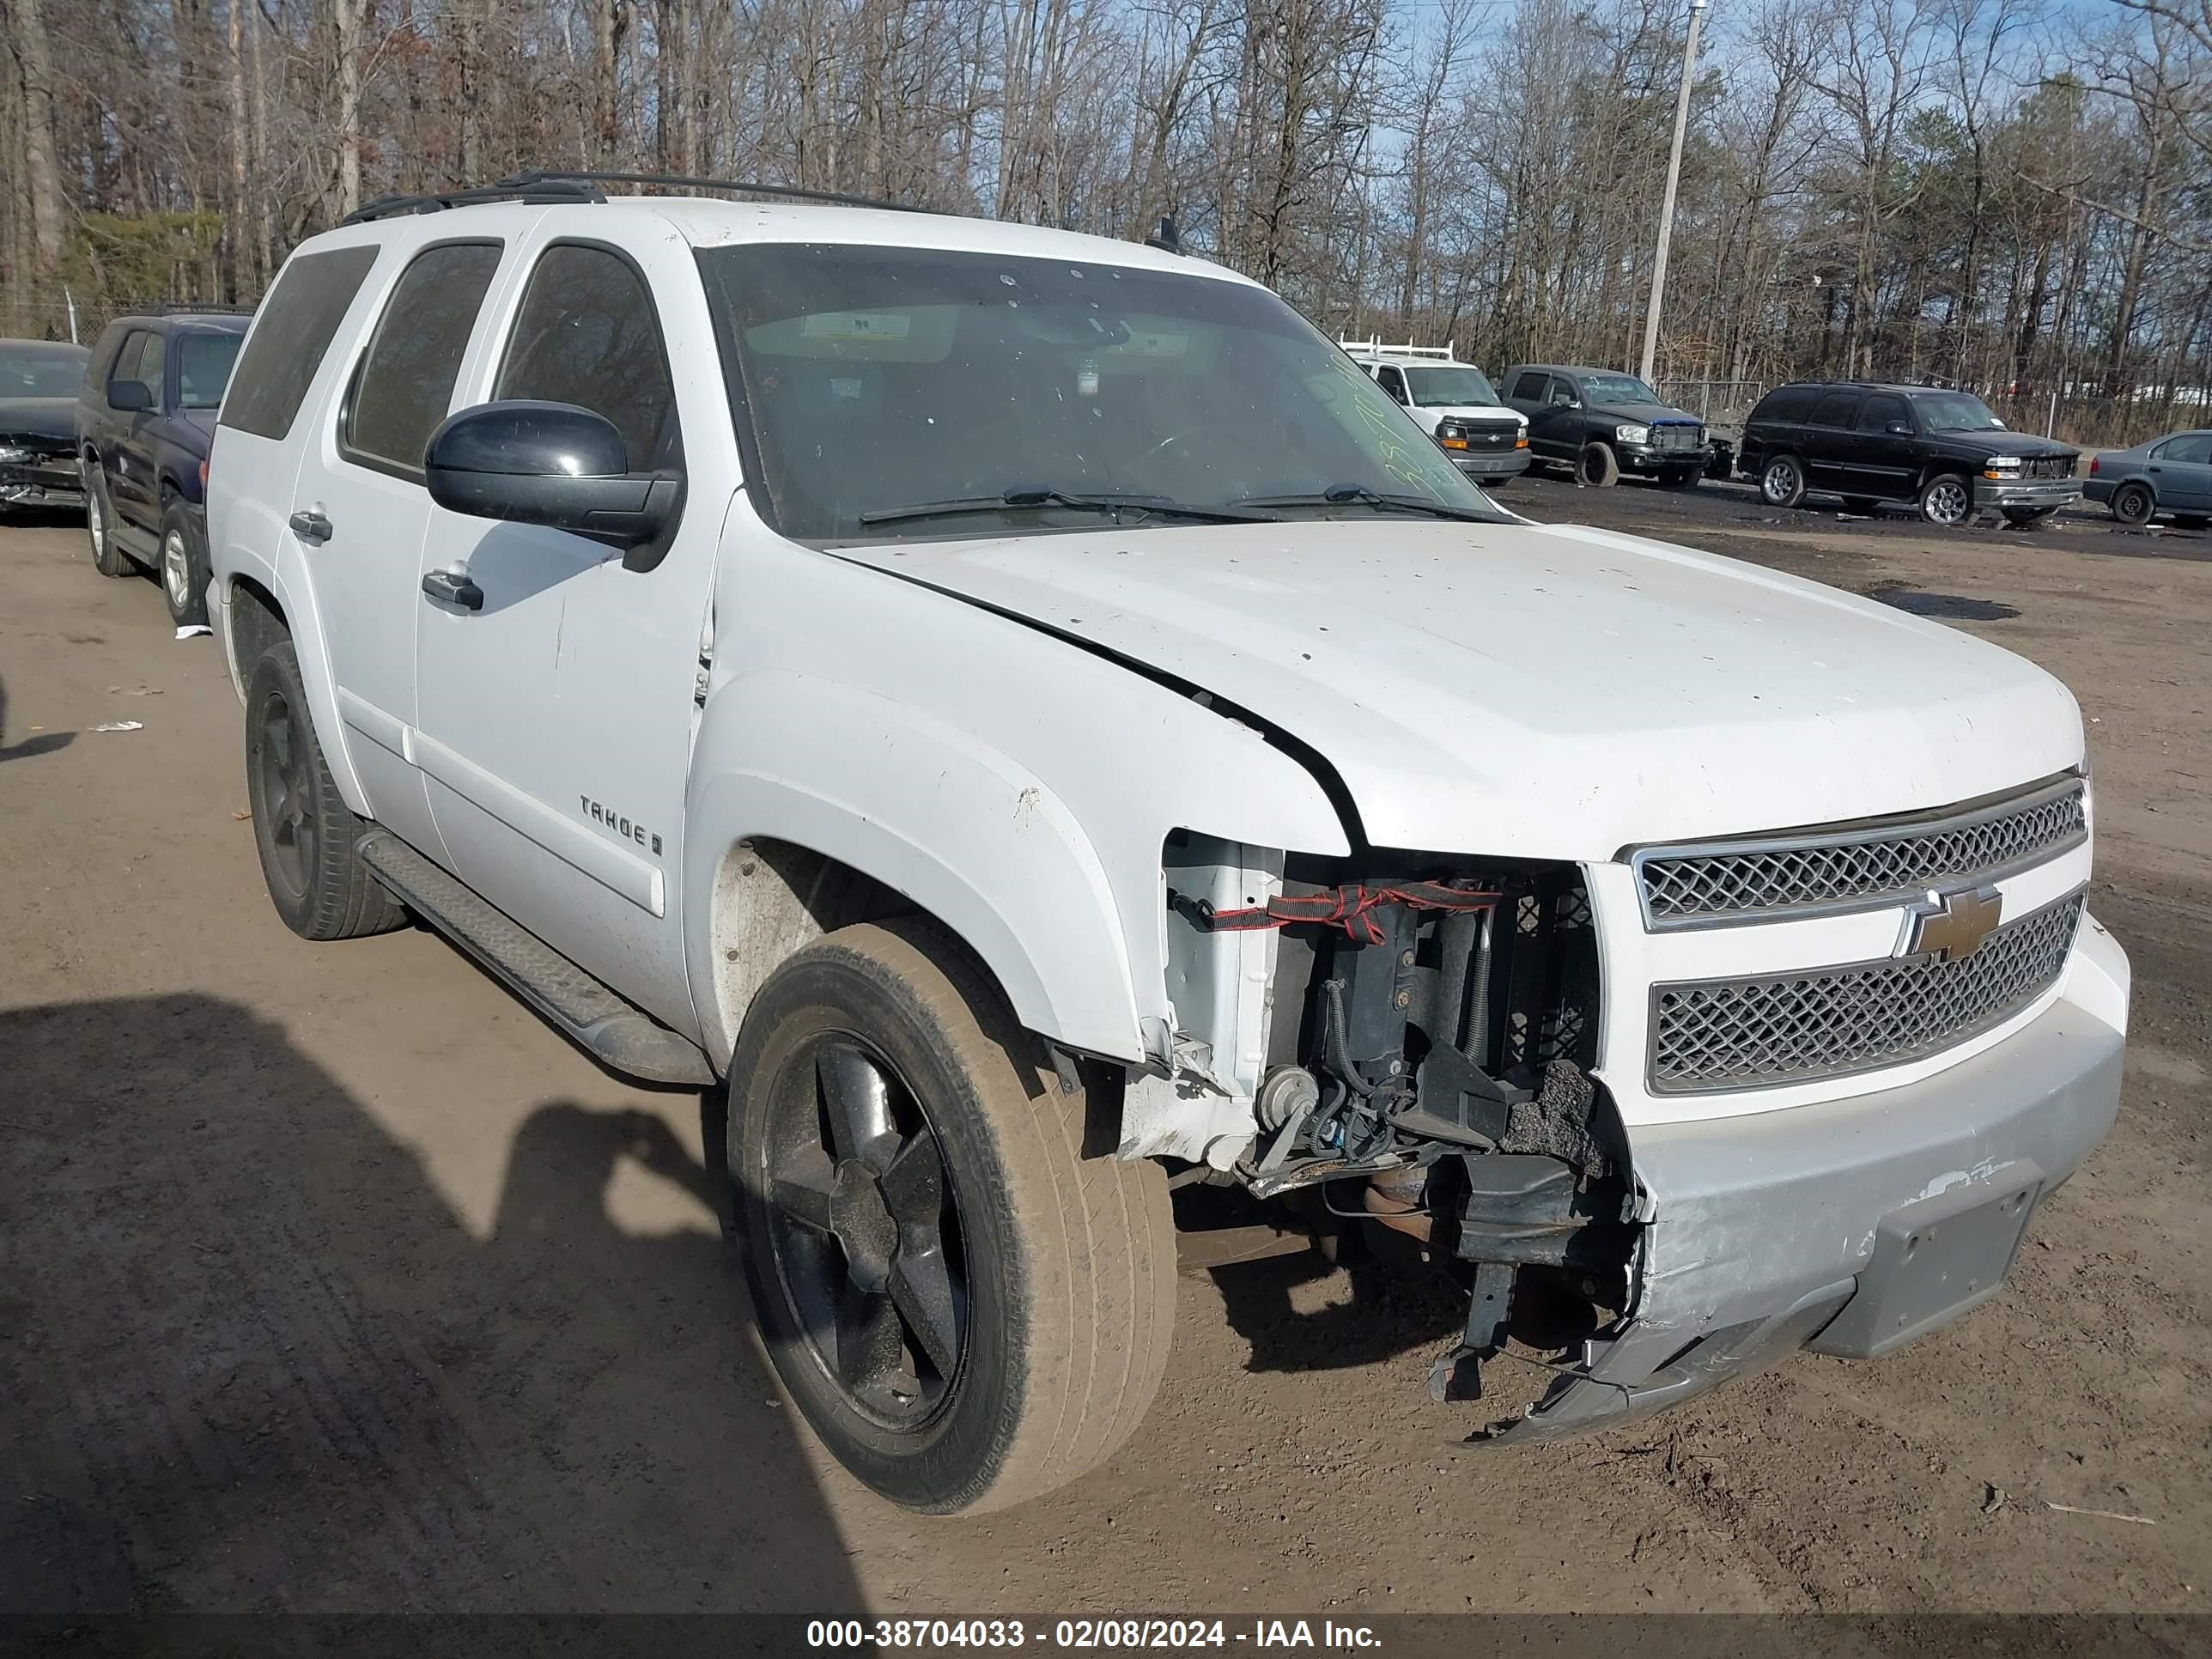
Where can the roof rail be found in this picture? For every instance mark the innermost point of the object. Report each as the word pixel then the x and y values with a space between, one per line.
pixel 682 181
pixel 527 187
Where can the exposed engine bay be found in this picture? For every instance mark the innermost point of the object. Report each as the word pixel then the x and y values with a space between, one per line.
pixel 1413 1037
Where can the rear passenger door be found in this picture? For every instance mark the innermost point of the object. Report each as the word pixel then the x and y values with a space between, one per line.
pixel 1830 440
pixel 1883 461
pixel 557 716
pixel 365 510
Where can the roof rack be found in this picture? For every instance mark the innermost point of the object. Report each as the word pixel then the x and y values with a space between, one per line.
pixel 685 181
pixel 190 309
pixel 1374 347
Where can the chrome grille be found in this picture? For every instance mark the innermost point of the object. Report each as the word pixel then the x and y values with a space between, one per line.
pixel 1813 873
pixel 1711 1035
pixel 1677 434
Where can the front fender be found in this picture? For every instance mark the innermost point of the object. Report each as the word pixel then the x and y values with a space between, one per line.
pixel 963 831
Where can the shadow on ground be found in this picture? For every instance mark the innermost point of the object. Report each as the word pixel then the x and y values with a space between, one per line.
pixel 42 742
pixel 252 1361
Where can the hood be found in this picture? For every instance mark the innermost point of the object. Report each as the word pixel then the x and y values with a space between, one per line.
pixel 1550 691
pixel 1475 412
pixel 1994 442
pixel 1643 414
pixel 38 418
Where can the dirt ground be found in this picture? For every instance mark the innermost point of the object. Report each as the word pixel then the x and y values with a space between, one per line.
pixel 332 1280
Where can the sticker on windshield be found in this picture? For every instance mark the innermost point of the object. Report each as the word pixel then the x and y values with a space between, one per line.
pixel 856 325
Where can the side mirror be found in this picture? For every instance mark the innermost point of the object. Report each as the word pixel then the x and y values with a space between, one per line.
pixel 548 463
pixel 1899 428
pixel 131 397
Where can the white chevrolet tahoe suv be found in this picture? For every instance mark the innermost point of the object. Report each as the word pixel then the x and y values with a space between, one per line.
pixel 1030 719
pixel 1454 403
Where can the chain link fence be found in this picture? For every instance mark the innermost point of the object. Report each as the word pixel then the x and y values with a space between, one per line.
pixel 61 315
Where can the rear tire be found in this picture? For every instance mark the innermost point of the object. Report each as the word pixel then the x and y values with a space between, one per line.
pixel 1029 1334
pixel 1947 500
pixel 1782 481
pixel 302 829
pixel 183 567
pixel 2132 504
pixel 108 557
pixel 1597 466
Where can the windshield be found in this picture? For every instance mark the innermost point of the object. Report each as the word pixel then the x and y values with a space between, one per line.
pixel 1955 411
pixel 203 363
pixel 1616 389
pixel 1462 384
pixel 41 371
pixel 992 391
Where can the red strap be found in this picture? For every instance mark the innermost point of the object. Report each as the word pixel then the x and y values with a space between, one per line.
pixel 1347 907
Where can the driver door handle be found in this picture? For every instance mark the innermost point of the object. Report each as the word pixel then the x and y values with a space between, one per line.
pixel 310 527
pixel 454 587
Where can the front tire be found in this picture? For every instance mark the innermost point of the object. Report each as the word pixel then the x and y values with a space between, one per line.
pixel 1782 481
pixel 183 567
pixel 1947 500
pixel 968 1311
pixel 107 556
pixel 1598 466
pixel 302 829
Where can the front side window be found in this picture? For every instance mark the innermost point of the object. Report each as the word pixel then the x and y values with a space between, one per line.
pixel 140 362
pixel 1392 382
pixel 1611 391
pixel 1955 411
pixel 1880 408
pixel 587 335
pixel 406 379
pixel 205 357
pixel 291 336
pixel 1462 384
pixel 916 392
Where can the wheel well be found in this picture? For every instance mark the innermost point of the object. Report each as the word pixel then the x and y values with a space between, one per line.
pixel 257 621
pixel 773 898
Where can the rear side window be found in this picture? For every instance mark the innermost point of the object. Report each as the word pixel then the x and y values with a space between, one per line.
pixel 1837 409
pixel 1530 388
pixel 2194 448
pixel 587 335
pixel 406 379
pixel 293 331
pixel 1879 409
pixel 1791 403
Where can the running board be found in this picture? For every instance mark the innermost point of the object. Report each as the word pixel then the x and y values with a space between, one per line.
pixel 620 1036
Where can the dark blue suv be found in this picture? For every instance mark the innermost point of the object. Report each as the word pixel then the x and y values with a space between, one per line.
pixel 144 422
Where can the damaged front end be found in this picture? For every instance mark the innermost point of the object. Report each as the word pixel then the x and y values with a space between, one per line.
pixel 1408 1041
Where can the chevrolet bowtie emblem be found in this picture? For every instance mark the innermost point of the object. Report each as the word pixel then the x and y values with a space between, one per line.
pixel 1949 925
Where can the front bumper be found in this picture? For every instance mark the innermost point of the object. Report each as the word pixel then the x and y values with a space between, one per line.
pixel 2039 492
pixel 41 480
pixel 1644 457
pixel 1851 1226
pixel 1494 464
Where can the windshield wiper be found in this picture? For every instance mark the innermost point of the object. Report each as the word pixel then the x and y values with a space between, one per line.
pixel 1349 494
pixel 1025 496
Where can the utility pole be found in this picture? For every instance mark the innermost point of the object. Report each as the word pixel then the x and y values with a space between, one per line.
pixel 1666 202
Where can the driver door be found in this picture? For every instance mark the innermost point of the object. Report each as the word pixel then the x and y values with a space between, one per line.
pixel 556 717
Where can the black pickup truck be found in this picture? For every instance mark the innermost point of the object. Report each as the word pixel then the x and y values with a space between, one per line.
pixel 1603 423
pixel 144 423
